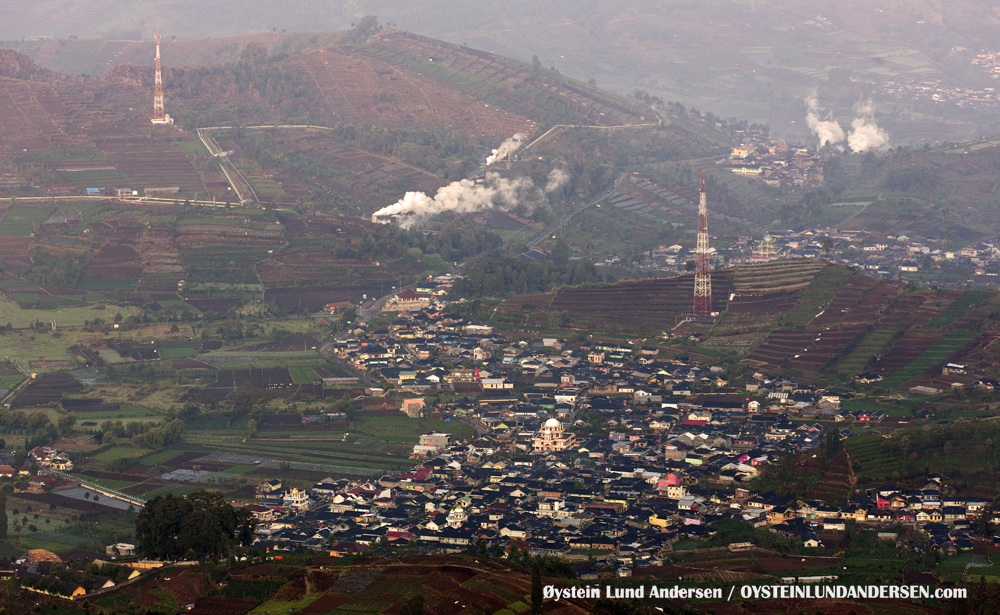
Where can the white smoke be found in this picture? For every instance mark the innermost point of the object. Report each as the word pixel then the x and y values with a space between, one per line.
pixel 557 178
pixel 865 133
pixel 507 147
pixel 466 196
pixel 828 131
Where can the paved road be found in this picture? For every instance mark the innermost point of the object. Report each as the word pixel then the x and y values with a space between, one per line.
pixel 474 423
pixel 364 315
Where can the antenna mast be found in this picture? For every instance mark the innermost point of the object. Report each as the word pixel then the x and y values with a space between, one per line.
pixel 159 115
pixel 703 271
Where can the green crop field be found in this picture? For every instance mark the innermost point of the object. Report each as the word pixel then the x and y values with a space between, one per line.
pixel 176 353
pixel 107 482
pixel 303 374
pixel 870 346
pixel 960 307
pixel 105 178
pixel 193 148
pixel 119 452
pixel 179 490
pixel 822 289
pixel 947 345
pixel 22 220
pixel 160 458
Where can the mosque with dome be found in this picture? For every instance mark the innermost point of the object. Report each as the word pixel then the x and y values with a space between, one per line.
pixel 553 437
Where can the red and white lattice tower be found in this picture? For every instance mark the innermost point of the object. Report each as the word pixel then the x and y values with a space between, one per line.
pixel 159 114
pixel 703 269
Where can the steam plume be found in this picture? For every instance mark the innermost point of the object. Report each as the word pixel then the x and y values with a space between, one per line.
pixel 507 147
pixel 466 196
pixel 557 177
pixel 828 131
pixel 865 133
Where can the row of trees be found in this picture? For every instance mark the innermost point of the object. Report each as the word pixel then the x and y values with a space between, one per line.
pixel 454 242
pixel 146 434
pixel 498 277
pixel 37 427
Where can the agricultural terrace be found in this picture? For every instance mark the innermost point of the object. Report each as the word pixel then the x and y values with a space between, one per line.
pixel 103 150
pixel 318 584
pixel 759 296
pixel 812 317
pixel 358 180
pixel 346 77
pixel 904 458
pixel 221 452
pixel 653 305
pixel 503 83
pixel 241 425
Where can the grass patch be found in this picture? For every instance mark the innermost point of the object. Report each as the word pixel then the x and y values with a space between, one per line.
pixel 405 429
pixel 177 353
pixel 302 374
pixel 22 220
pixel 33 542
pixel 193 148
pixel 178 490
pixel 118 452
pixel 161 457
pixel 237 470
pixel 117 485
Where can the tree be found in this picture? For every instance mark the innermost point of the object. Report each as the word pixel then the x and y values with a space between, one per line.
pixel 9 590
pixel 413 606
pixel 200 525
pixel 3 514
pixel 536 64
pixel 560 253
pixel 559 318
pixel 536 589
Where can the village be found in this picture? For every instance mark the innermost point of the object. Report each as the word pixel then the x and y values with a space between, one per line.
pixel 603 454
pixel 889 256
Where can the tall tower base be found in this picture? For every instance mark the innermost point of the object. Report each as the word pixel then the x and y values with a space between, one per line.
pixel 703 267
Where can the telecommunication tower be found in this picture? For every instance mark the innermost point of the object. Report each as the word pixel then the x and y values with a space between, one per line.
pixel 159 115
pixel 703 271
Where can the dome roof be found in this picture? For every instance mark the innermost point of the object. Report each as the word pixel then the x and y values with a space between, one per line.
pixel 552 423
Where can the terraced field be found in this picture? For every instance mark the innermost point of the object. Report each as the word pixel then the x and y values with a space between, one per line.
pixel 938 351
pixel 635 306
pixel 501 82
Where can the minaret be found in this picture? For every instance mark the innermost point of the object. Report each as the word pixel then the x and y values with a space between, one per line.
pixel 159 115
pixel 703 271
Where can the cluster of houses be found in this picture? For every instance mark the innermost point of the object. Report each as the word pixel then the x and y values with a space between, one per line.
pixel 773 162
pixel 900 257
pixel 624 499
pixel 930 89
pixel 41 457
pixel 44 572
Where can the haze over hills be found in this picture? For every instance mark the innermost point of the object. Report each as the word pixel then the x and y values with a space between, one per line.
pixel 755 61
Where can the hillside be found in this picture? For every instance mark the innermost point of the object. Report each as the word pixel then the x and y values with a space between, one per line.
pixel 383 112
pixel 817 319
pixel 755 61
pixel 318 584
